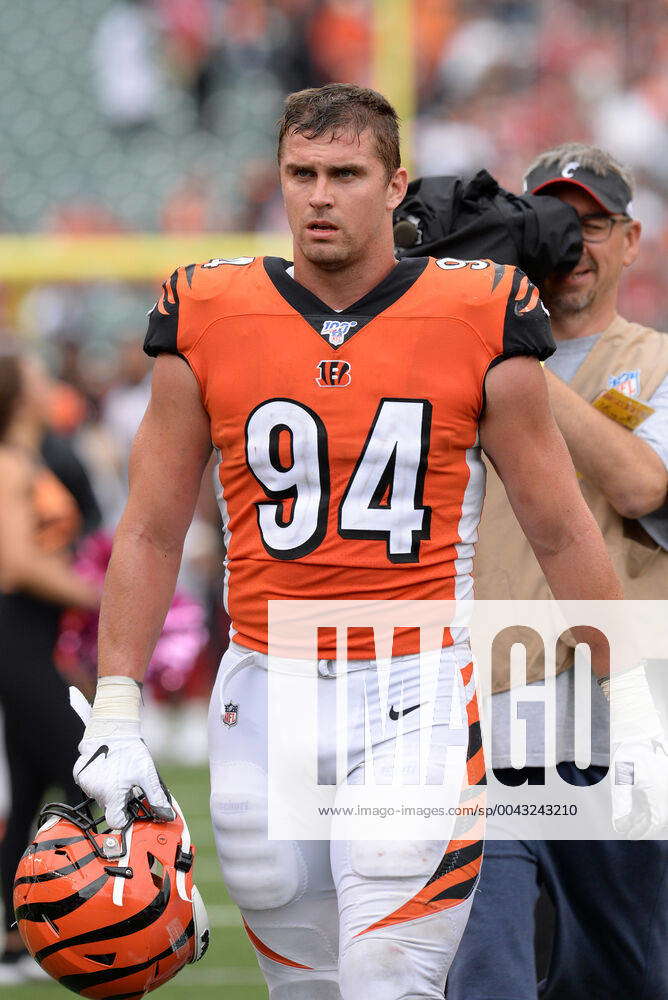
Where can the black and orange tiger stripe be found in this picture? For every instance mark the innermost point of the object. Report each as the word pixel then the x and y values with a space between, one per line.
pixel 475 756
pixel 268 952
pixel 104 928
pixel 457 873
pixel 453 881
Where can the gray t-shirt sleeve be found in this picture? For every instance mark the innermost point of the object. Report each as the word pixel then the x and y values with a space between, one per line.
pixel 654 431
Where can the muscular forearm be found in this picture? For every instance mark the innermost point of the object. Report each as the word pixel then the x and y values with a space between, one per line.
pixel 624 468
pixel 581 570
pixel 138 591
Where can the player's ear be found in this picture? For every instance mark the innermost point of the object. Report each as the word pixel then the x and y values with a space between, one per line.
pixel 631 241
pixel 396 188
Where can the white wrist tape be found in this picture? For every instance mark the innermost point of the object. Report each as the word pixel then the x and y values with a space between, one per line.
pixel 634 715
pixel 117 698
pixel 115 709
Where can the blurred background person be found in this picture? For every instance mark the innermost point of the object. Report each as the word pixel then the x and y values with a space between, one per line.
pixel 39 521
pixel 125 67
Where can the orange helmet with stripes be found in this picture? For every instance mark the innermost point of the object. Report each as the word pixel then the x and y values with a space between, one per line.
pixel 110 912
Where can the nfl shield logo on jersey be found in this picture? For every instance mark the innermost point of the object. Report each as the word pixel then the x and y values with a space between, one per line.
pixel 335 330
pixel 230 714
pixel 626 382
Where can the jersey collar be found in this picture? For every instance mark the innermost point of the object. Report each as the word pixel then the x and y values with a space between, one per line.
pixel 336 328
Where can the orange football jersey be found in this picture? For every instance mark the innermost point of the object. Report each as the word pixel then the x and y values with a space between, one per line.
pixel 349 464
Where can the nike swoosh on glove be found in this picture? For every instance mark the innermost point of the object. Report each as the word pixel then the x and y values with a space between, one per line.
pixel 112 763
pixel 640 788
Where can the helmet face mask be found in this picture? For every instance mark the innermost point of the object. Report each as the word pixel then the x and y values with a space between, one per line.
pixel 201 921
pixel 109 912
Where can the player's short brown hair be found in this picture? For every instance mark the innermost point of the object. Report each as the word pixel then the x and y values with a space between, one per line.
pixel 339 109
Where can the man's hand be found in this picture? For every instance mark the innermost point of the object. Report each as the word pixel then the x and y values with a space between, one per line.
pixel 639 773
pixel 639 756
pixel 111 764
pixel 114 758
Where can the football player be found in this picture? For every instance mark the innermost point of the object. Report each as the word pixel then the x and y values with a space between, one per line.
pixel 347 397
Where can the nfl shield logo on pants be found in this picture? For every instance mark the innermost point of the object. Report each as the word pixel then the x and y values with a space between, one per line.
pixel 230 714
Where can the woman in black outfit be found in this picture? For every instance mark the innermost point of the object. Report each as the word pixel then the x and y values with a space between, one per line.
pixel 39 521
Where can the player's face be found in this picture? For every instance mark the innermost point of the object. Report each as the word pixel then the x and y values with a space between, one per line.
pixel 595 278
pixel 338 198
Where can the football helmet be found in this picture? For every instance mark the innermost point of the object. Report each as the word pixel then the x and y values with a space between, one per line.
pixel 110 912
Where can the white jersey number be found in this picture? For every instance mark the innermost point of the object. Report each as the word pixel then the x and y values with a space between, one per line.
pixel 384 496
pixel 383 499
pixel 294 521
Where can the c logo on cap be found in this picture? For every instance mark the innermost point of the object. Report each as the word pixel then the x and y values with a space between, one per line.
pixel 570 168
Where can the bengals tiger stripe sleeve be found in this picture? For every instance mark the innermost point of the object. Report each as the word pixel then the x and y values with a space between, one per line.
pixel 163 320
pixel 511 318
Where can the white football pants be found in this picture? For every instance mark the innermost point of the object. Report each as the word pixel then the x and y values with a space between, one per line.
pixel 349 919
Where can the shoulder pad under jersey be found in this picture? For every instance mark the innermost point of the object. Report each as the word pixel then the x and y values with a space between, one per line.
pixel 197 284
pixel 504 307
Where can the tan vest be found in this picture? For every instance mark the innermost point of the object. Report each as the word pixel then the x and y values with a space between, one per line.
pixel 505 566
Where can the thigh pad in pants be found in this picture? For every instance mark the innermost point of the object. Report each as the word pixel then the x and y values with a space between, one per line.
pixel 259 874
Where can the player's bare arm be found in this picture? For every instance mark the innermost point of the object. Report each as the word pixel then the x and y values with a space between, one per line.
pixel 168 458
pixel 519 434
pixel 604 452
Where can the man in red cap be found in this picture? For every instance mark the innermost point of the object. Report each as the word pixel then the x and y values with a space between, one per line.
pixel 608 384
pixel 583 311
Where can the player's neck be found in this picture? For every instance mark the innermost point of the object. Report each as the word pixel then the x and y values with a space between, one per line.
pixel 573 326
pixel 339 289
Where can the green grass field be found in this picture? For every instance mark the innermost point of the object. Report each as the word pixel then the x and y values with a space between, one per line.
pixel 229 970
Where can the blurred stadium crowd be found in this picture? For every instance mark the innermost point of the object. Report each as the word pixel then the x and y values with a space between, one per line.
pixel 157 116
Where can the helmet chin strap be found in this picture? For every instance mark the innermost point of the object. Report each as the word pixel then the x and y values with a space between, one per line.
pixel 185 846
pixel 200 916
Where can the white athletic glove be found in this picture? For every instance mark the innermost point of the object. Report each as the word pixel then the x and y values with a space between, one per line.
pixel 640 788
pixel 114 757
pixel 639 757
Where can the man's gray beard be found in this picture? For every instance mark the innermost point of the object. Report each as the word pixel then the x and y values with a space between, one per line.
pixel 569 303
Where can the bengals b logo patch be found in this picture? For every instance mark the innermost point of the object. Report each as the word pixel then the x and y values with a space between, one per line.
pixel 333 374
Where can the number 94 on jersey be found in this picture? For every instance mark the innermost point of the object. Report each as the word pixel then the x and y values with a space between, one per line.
pixel 288 453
